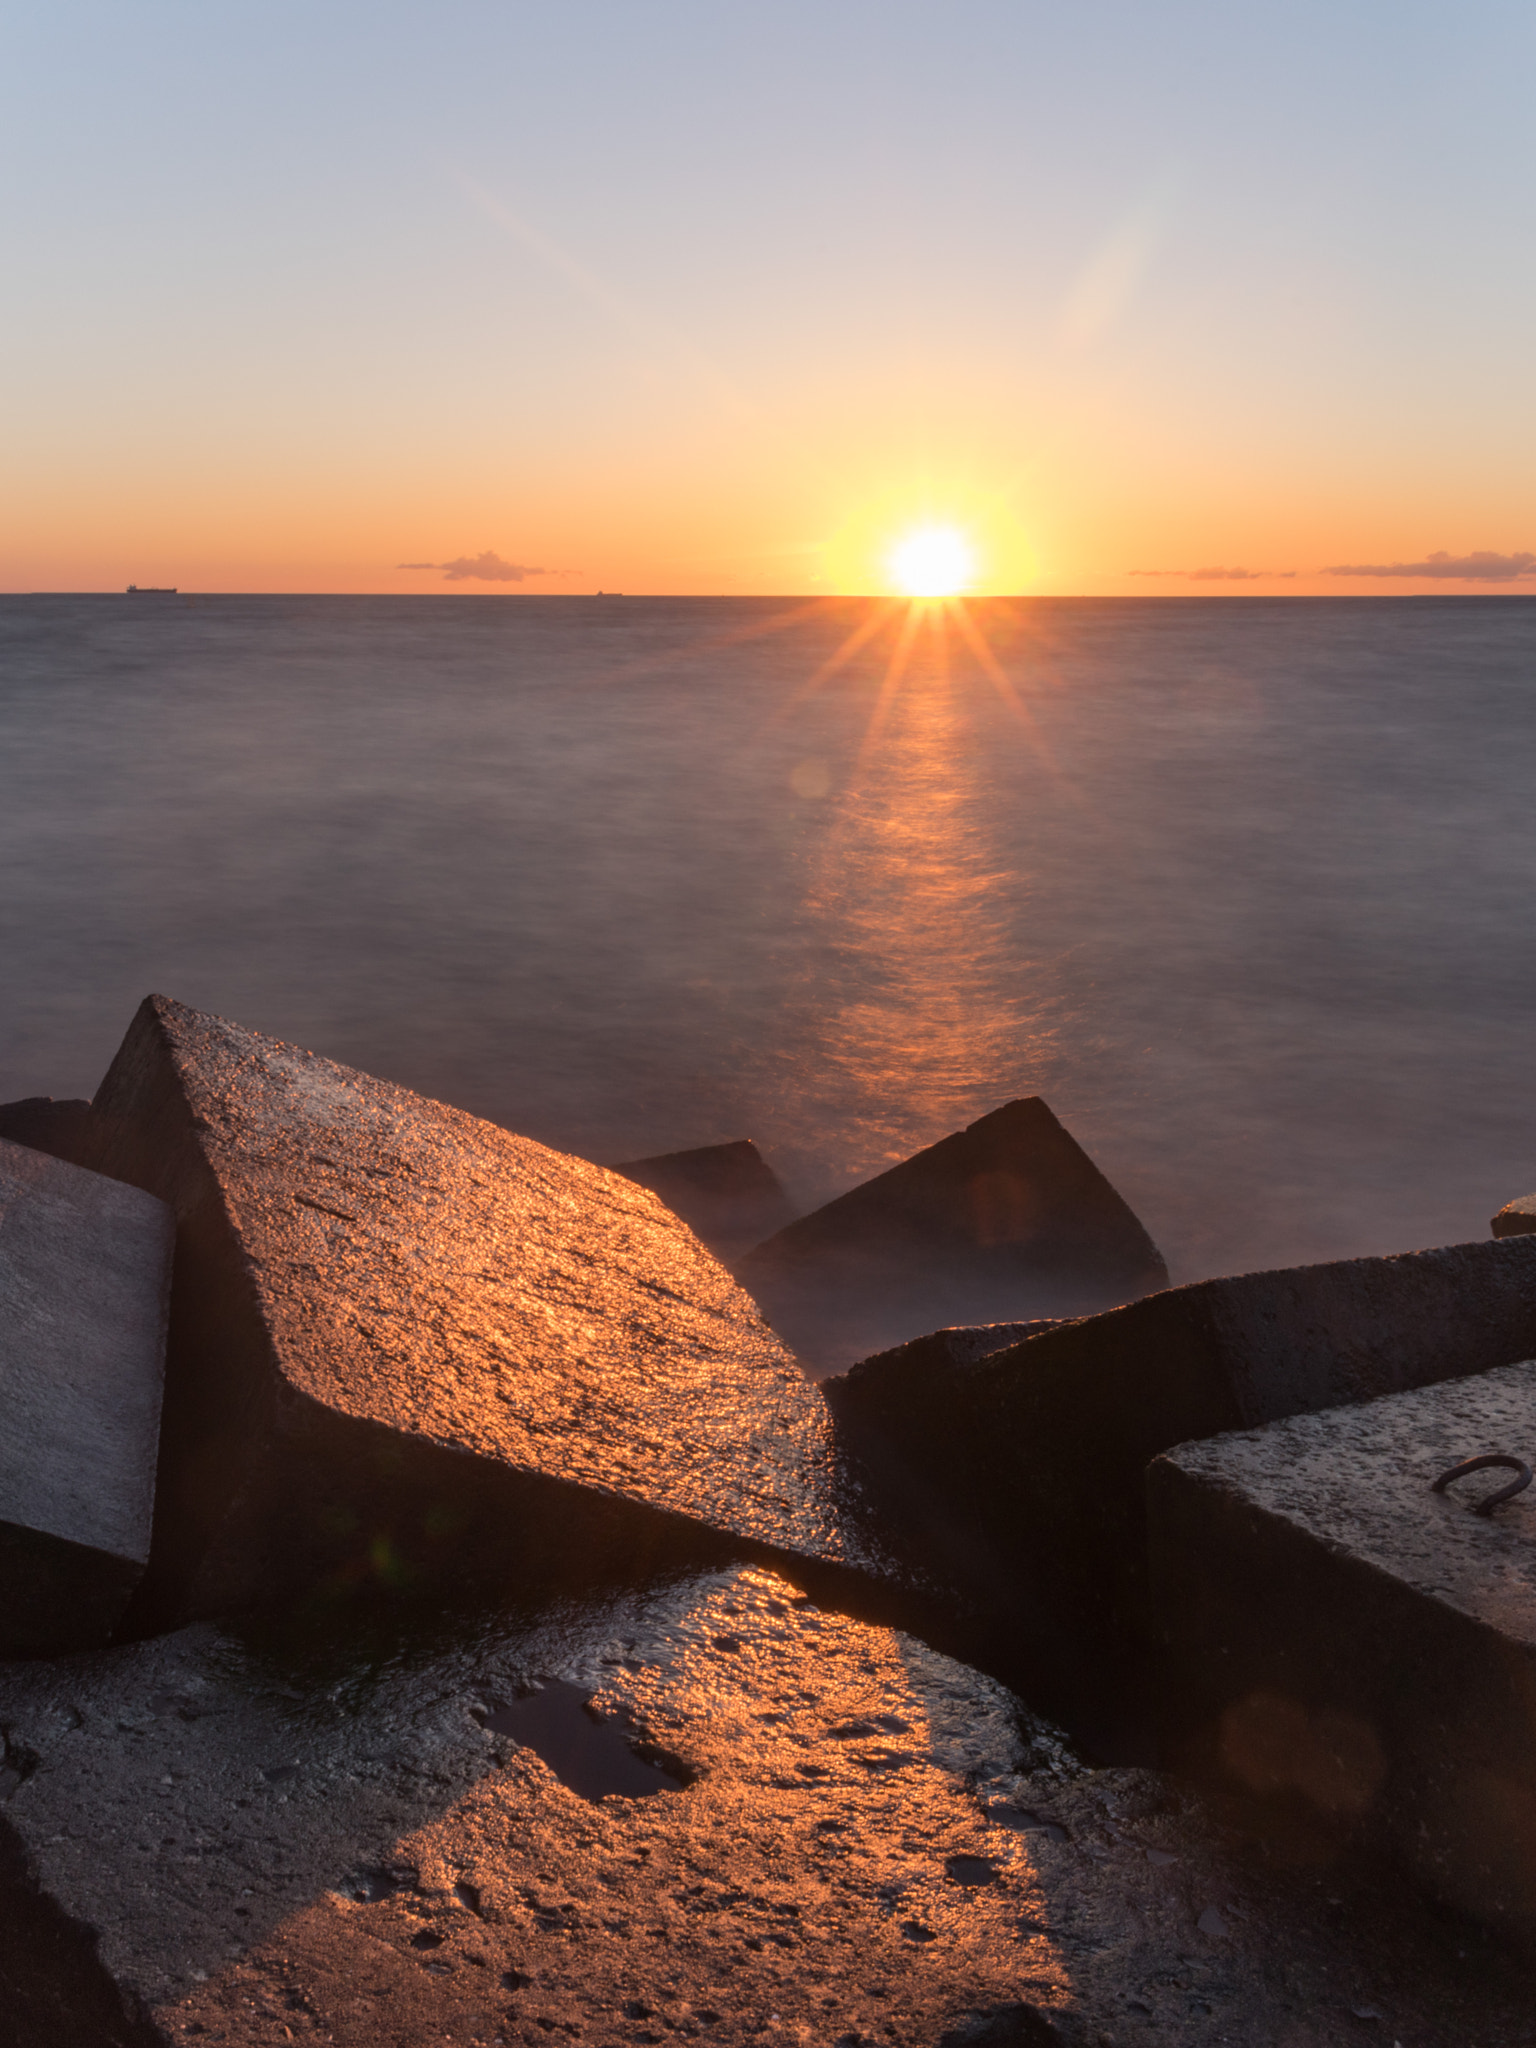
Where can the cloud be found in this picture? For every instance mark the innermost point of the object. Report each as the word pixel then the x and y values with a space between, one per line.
pixel 1481 566
pixel 483 568
pixel 1221 575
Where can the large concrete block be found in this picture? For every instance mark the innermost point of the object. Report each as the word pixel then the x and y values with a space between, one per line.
pixel 1004 1221
pixel 214 1838
pixel 1343 1640
pixel 1018 1478
pixel 728 1195
pixel 85 1276
pixel 397 1330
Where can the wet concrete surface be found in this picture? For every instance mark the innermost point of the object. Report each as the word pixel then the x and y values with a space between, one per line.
pixel 875 1845
pixel 382 1301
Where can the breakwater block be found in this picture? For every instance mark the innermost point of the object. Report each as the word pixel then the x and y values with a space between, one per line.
pixel 85 1274
pixel 728 1195
pixel 1006 1220
pixel 1515 1219
pixel 1018 1479
pixel 62 1129
pixel 1344 1642
pixel 669 1810
pixel 962 1345
pixel 400 1334
pixel 203 1838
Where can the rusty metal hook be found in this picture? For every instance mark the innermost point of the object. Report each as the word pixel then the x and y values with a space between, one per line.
pixel 1486 1507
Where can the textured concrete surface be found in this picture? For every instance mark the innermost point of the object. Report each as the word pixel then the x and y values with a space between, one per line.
pixel 399 1333
pixel 1515 1219
pixel 1344 1639
pixel 1020 1477
pixel 219 1839
pixel 961 1345
pixel 85 1277
pixel 1006 1220
pixel 728 1195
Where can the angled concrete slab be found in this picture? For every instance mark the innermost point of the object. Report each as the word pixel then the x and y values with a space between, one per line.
pixel 728 1195
pixel 1004 1221
pixel 1345 1640
pixel 1018 1478
pixel 398 1330
pixel 85 1273
pixel 1515 1219
pixel 214 1838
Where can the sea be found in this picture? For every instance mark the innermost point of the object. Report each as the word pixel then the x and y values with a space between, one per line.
pixel 1243 887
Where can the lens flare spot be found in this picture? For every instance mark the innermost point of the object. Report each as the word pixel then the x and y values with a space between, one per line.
pixel 810 779
pixel 932 561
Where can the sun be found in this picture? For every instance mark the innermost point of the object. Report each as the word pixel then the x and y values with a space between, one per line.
pixel 931 561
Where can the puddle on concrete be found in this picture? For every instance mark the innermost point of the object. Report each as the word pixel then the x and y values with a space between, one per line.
pixel 589 1755
pixel 1023 1822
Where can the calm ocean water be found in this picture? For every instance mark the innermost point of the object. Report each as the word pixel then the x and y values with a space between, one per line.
pixel 1244 888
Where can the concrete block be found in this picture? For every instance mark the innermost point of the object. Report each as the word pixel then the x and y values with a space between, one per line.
pixel 1343 1640
pixel 85 1274
pixel 399 1332
pixel 962 1345
pixel 62 1129
pixel 728 1195
pixel 227 1838
pixel 1006 1220
pixel 1017 1480
pixel 248 1839
pixel 1515 1219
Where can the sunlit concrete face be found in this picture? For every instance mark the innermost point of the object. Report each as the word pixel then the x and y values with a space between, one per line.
pixel 826 1873
pixel 829 1869
pixel 378 1291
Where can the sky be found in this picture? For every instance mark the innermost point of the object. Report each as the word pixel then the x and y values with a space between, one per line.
pixel 701 296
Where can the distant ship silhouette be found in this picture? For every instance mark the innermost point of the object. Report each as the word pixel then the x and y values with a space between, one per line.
pixel 151 590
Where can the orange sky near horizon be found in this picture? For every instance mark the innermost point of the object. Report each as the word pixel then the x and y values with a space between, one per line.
pixel 328 303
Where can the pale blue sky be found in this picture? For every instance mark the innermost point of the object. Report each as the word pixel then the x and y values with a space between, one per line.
pixel 390 262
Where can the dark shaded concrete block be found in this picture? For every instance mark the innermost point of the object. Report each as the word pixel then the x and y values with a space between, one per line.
pixel 398 1331
pixel 728 1195
pixel 62 1128
pixel 1006 1220
pixel 1342 1640
pixel 1515 1219
pixel 85 1276
pixel 965 1344
pixel 1018 1479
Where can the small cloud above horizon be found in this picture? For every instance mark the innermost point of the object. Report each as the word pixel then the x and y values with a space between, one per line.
pixel 1481 566
pixel 1220 575
pixel 488 567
